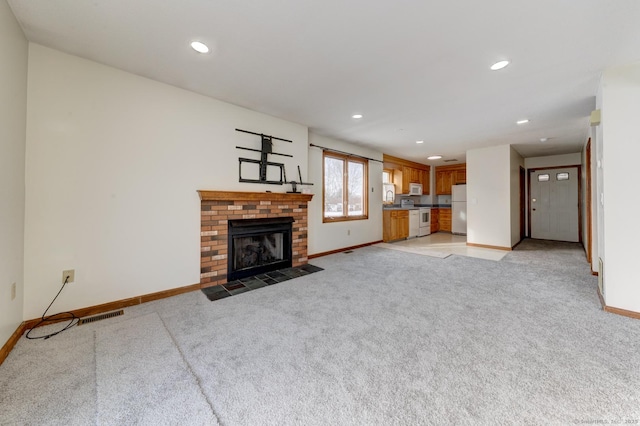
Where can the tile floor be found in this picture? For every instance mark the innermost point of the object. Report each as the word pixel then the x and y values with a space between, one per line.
pixel 443 244
pixel 251 283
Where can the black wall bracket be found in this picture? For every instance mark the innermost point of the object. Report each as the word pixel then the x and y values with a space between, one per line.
pixel 263 163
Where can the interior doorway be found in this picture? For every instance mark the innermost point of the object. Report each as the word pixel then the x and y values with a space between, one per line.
pixel 554 198
pixel 523 203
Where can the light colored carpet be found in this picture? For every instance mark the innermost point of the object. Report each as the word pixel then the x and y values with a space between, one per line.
pixel 379 337
pixel 425 251
pixel 142 378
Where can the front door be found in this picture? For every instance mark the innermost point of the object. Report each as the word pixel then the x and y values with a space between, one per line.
pixel 554 204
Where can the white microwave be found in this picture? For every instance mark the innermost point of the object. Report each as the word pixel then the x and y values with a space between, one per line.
pixel 415 189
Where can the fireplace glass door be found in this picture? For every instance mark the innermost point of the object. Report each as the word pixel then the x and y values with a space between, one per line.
pixel 257 246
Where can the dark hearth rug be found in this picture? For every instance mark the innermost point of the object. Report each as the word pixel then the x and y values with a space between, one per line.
pixel 252 283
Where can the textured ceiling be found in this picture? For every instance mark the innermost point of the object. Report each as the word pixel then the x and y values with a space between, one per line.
pixel 417 70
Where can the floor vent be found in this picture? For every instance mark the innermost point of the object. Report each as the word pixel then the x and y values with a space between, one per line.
pixel 348 252
pixel 100 317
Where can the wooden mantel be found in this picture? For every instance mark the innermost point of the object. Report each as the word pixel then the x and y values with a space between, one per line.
pixel 248 196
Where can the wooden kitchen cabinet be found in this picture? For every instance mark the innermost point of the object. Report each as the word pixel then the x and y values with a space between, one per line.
pixel 403 177
pixel 395 225
pixel 445 219
pixel 406 172
pixel 425 181
pixel 443 182
pixel 460 177
pixel 435 217
pixel 446 176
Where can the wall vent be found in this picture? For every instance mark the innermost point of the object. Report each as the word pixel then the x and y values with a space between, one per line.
pixel 100 317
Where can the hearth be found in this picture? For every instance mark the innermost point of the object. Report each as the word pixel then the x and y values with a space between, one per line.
pixel 257 246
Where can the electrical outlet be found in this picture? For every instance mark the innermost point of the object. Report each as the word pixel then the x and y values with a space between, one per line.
pixel 68 273
pixel 13 291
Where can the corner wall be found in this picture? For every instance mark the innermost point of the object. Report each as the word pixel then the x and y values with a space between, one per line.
pixel 13 109
pixel 619 161
pixel 515 162
pixel 113 163
pixel 489 196
pixel 324 237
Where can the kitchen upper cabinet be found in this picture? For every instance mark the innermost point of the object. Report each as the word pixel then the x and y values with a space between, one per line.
pixel 406 175
pixel 443 182
pixel 446 176
pixel 406 172
pixel 395 225
pixel 460 177
pixel 425 181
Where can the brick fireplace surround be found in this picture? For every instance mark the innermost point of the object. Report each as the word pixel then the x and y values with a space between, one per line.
pixel 218 207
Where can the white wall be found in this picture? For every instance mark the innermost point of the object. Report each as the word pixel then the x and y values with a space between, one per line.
pixel 573 159
pixel 621 150
pixel 13 107
pixel 515 162
pixel 113 163
pixel 489 196
pixel 325 237
pixel 599 188
pixel 586 208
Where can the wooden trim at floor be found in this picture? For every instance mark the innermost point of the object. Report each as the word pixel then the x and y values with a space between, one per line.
pixel 489 247
pixel 617 311
pixel 7 347
pixel 623 312
pixel 326 253
pixel 118 304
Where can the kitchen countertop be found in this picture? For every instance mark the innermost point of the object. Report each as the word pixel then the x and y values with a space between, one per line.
pixel 416 207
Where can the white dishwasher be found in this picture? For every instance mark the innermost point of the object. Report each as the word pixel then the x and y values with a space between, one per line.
pixel 414 223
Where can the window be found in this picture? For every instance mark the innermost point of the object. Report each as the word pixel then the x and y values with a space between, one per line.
pixel 562 176
pixel 543 178
pixel 345 188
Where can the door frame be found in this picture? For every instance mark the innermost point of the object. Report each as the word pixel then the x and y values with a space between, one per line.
pixel 535 169
pixel 523 202
pixel 589 201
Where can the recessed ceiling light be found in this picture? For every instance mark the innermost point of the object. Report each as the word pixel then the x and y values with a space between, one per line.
pixel 499 65
pixel 434 157
pixel 525 121
pixel 419 141
pixel 356 116
pixel 199 47
pixel 544 139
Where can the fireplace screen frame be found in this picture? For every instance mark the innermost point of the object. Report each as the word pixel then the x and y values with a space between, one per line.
pixel 240 228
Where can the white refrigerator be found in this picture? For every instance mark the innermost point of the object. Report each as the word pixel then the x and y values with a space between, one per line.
pixel 459 209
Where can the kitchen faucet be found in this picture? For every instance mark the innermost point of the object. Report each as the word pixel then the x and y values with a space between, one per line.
pixel 386 195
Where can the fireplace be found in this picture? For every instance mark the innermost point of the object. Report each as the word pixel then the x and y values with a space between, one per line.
pixel 257 246
pixel 218 208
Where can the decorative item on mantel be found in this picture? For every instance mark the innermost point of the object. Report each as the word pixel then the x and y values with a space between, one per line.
pixel 294 184
pixel 267 148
